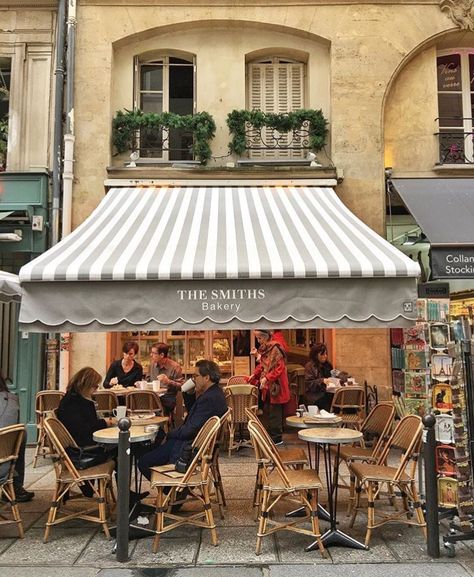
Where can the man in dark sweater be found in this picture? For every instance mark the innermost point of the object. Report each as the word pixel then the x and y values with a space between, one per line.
pixel 210 402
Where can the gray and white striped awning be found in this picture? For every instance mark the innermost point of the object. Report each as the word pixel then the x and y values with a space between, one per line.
pixel 10 289
pixel 182 257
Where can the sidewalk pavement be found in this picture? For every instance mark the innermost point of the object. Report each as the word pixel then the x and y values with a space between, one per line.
pixel 79 549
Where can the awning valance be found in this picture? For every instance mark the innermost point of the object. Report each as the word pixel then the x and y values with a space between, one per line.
pixel 10 289
pixel 237 257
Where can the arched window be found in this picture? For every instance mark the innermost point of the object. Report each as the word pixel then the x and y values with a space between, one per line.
pixel 165 84
pixel 456 105
pixel 276 84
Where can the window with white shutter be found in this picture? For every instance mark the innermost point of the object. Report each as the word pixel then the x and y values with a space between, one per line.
pixel 275 85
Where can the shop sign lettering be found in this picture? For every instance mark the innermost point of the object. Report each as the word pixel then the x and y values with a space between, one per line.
pixel 221 299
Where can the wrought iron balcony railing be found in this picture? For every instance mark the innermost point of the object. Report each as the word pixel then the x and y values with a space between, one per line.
pixel 456 140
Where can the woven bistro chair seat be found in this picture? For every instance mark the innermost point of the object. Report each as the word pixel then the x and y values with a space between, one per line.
pixel 11 438
pixel 195 481
pixel 98 478
pixel 406 439
pixel 302 479
pixel 293 456
pixel 377 473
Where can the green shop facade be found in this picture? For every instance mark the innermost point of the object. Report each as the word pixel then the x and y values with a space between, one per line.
pixel 24 232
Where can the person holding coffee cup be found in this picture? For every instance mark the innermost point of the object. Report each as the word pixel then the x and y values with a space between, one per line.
pixel 168 372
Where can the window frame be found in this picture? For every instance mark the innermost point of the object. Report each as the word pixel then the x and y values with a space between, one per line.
pixel 161 59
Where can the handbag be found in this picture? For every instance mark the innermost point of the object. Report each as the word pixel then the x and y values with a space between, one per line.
pixel 86 457
pixel 184 460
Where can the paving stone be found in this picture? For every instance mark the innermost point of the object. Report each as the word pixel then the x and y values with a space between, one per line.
pixel 372 570
pixel 243 469
pixel 11 531
pixel 291 549
pixel 239 487
pixel 39 504
pixel 218 572
pixel 46 481
pixel 172 551
pixel 63 547
pixel 46 571
pixel 239 512
pixel 236 545
pixel 99 553
pixel 4 544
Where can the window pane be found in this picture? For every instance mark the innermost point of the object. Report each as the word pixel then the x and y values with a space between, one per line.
pixel 151 77
pixel 181 89
pixel 174 60
pixel 180 144
pixel 450 109
pixel 152 103
pixel 451 145
pixel 449 73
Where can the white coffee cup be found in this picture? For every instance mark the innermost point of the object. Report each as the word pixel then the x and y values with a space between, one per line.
pixel 188 386
pixel 120 412
pixel 313 409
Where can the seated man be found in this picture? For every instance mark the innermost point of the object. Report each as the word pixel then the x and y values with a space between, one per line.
pixel 210 402
pixel 168 371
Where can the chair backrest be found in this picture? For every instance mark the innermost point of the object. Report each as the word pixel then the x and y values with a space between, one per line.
pixel 60 439
pixel 349 400
pixel 47 401
pixel 143 401
pixel 179 410
pixel 106 400
pixel 11 438
pixel 238 380
pixel 406 437
pixel 379 422
pixel 265 453
pixel 239 398
pixel 204 444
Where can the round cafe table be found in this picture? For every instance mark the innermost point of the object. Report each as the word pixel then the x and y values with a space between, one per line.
pixel 325 437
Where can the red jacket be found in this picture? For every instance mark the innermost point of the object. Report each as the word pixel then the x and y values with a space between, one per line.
pixel 273 367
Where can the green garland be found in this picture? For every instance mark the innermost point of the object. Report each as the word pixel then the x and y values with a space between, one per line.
pixel 237 119
pixel 201 125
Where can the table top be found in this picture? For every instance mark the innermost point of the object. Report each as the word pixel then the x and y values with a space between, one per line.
pixel 127 390
pixel 138 434
pixel 299 422
pixel 330 436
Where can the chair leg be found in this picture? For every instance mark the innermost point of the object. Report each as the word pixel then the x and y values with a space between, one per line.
pixel 355 509
pixel 350 505
pixel 262 520
pixel 103 507
pixel 231 438
pixel 159 519
pixel 39 445
pixel 418 510
pixel 315 522
pixel 370 512
pixel 10 492
pixel 209 515
pixel 53 510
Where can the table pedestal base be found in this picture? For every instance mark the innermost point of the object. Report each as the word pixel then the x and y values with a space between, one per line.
pixel 337 537
pixel 301 512
pixel 136 531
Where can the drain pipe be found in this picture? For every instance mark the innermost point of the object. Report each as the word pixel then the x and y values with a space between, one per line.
pixel 52 354
pixel 68 172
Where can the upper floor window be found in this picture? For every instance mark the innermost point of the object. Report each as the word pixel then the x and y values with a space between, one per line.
pixel 5 73
pixel 276 85
pixel 456 106
pixel 166 84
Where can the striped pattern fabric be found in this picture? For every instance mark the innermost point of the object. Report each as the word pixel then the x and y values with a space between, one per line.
pixel 10 289
pixel 221 232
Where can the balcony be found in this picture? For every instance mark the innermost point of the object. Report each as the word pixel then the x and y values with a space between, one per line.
pixel 455 141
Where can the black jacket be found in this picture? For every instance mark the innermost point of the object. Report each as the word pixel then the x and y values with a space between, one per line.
pixel 124 379
pixel 209 404
pixel 79 416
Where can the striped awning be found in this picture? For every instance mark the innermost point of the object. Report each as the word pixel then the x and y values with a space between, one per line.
pixel 10 289
pixel 238 256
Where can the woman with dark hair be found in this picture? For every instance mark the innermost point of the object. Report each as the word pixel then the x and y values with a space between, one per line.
pixel 10 415
pixel 77 410
pixel 125 371
pixel 316 372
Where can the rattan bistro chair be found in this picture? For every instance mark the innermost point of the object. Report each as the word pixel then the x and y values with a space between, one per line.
pixel 239 398
pixel 349 404
pixel 407 438
pixel 214 465
pixel 46 403
pixel 99 478
pixel 279 482
pixel 291 457
pixel 238 380
pixel 195 481
pixel 140 401
pixel 106 402
pixel 11 439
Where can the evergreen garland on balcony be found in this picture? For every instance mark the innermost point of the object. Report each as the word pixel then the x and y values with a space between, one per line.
pixel 127 123
pixel 285 122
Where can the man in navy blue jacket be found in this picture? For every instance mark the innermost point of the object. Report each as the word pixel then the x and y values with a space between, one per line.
pixel 210 402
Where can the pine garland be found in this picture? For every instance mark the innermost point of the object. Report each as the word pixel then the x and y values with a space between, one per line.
pixel 285 122
pixel 201 125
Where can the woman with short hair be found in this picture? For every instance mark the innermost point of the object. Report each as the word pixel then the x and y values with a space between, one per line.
pixel 125 371
pixel 316 373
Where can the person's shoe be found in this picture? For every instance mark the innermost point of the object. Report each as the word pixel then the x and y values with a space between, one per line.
pixel 278 441
pixel 23 496
pixel 137 497
pixel 181 496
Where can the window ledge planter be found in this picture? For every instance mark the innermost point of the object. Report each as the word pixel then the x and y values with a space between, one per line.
pixel 301 129
pixel 128 123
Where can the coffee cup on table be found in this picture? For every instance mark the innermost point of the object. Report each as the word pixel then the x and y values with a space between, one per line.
pixel 120 412
pixel 188 386
pixel 313 409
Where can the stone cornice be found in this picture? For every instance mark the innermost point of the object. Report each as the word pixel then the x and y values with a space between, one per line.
pixel 251 3
pixel 32 4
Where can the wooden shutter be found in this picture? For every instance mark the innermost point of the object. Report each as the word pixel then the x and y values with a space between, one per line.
pixel 276 88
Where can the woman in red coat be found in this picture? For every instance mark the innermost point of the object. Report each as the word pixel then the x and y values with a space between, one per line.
pixel 271 376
